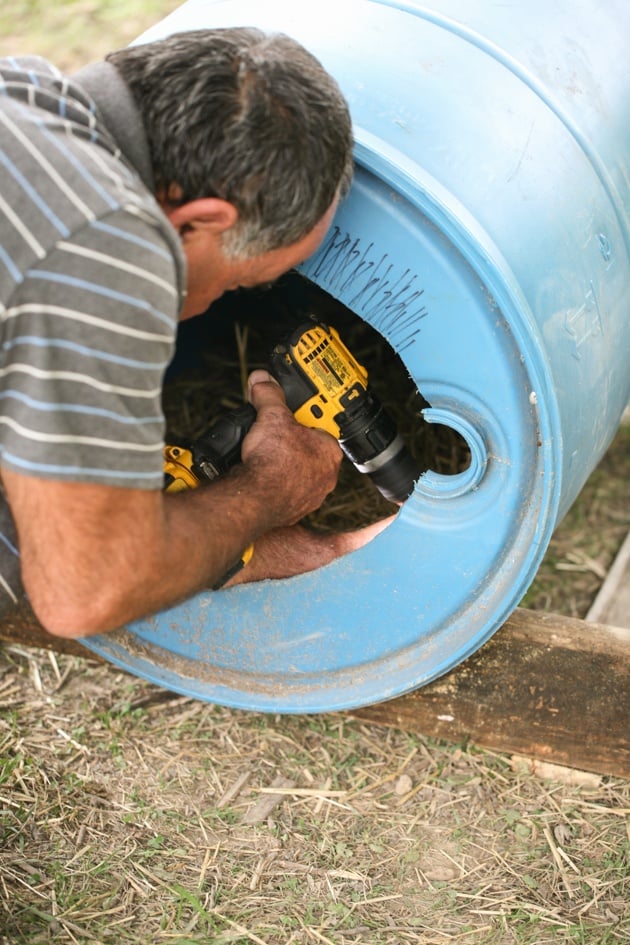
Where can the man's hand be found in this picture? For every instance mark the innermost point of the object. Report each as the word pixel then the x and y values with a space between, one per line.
pixel 96 557
pixel 296 465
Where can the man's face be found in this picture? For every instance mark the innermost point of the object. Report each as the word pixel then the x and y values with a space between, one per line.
pixel 210 273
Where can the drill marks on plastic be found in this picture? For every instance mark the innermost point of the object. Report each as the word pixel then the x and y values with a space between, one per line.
pixel 373 286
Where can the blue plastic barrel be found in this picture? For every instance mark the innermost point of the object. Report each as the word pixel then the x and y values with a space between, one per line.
pixel 486 237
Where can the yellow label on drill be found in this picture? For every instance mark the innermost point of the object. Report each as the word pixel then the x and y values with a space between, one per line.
pixel 323 357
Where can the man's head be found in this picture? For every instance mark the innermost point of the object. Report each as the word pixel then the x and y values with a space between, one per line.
pixel 249 118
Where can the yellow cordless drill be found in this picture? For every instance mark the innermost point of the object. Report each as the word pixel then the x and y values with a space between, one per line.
pixel 325 388
pixel 209 456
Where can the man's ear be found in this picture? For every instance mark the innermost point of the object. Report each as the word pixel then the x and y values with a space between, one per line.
pixel 210 214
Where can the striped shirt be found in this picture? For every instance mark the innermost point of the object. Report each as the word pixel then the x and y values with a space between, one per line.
pixel 91 282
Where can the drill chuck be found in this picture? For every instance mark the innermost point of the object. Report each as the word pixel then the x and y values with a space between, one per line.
pixel 370 440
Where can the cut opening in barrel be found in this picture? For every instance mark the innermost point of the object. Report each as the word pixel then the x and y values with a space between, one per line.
pixel 216 352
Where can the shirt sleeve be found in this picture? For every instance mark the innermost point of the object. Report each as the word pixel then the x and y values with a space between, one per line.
pixel 86 340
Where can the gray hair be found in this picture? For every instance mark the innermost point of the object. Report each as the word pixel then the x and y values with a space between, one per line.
pixel 250 117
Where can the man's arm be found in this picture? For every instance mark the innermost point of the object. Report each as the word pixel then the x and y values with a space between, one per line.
pixel 96 557
pixel 285 552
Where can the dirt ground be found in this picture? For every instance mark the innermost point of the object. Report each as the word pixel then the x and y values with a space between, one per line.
pixel 134 817
pixel 131 816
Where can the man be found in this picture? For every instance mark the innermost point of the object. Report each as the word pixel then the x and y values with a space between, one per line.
pixel 132 195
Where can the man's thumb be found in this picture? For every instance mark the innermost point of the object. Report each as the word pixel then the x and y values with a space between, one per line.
pixel 263 389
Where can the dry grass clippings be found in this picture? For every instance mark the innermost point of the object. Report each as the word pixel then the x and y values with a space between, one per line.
pixel 585 543
pixel 133 815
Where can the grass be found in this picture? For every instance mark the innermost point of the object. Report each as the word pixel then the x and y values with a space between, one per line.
pixel 73 32
pixel 587 540
pixel 381 836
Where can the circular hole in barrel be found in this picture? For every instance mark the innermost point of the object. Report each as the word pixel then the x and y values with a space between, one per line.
pixel 217 350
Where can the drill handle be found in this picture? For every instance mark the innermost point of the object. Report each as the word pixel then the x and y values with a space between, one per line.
pixel 297 386
pixel 219 448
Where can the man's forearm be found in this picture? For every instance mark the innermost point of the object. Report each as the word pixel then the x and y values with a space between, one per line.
pixel 286 552
pixel 95 557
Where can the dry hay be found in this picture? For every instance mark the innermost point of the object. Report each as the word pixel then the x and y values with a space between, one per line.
pixel 134 816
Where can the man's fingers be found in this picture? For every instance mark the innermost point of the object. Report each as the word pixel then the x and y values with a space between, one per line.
pixel 263 390
pixel 350 541
pixel 297 466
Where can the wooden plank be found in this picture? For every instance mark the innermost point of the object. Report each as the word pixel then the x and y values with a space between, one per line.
pixel 546 686
pixel 22 627
pixel 612 604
